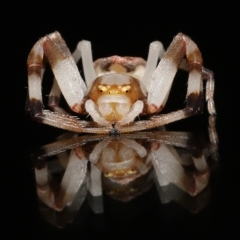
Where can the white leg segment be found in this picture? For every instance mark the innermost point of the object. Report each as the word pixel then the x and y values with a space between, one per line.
pixel 194 83
pixel 91 108
pixel 72 180
pixel 139 149
pixel 35 71
pixel 95 189
pixel 168 168
pixel 55 91
pixel 54 98
pixel 95 154
pixel 95 184
pixel 64 68
pixel 156 51
pixel 208 75
pixel 43 189
pixel 133 113
pixel 165 72
pixel 85 49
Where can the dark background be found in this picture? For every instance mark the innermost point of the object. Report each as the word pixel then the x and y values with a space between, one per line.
pixel 119 29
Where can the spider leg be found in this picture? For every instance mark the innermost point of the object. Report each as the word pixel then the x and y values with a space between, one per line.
pixel 209 77
pixel 135 110
pixel 95 186
pixel 156 51
pixel 54 50
pixel 92 109
pixel 164 74
pixel 156 121
pixel 169 168
pixel 54 98
pixel 95 154
pixel 213 136
pixel 43 187
pixel 74 176
pixel 70 123
pixel 95 189
pixel 84 50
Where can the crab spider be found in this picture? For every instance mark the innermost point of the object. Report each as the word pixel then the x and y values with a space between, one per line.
pixel 116 89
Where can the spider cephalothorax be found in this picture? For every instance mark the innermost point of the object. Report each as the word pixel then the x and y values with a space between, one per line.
pixel 116 89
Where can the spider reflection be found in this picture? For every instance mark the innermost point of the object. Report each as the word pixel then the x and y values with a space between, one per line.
pixel 124 167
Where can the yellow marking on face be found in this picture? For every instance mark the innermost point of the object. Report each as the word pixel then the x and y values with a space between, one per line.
pixel 132 171
pixel 103 88
pixel 120 173
pixel 114 89
pixel 108 174
pixel 125 89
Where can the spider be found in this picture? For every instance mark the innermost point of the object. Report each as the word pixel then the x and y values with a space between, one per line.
pixel 116 90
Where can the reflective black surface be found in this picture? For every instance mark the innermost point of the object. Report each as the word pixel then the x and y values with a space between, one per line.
pixel 166 211
pixel 143 217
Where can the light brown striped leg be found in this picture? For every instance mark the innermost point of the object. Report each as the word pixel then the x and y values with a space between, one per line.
pixel 208 75
pixel 70 123
pixel 157 120
pixel 213 137
pixel 165 72
pixel 54 50
pixel 44 190
pixel 74 176
pixel 83 51
pixel 169 168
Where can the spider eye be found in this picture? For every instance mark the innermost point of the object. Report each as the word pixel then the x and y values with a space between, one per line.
pixel 102 88
pixel 132 171
pixel 126 88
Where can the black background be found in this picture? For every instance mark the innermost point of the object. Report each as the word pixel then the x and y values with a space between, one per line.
pixel 122 29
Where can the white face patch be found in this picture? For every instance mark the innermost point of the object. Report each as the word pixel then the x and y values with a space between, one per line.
pixel 115 79
pixel 113 99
